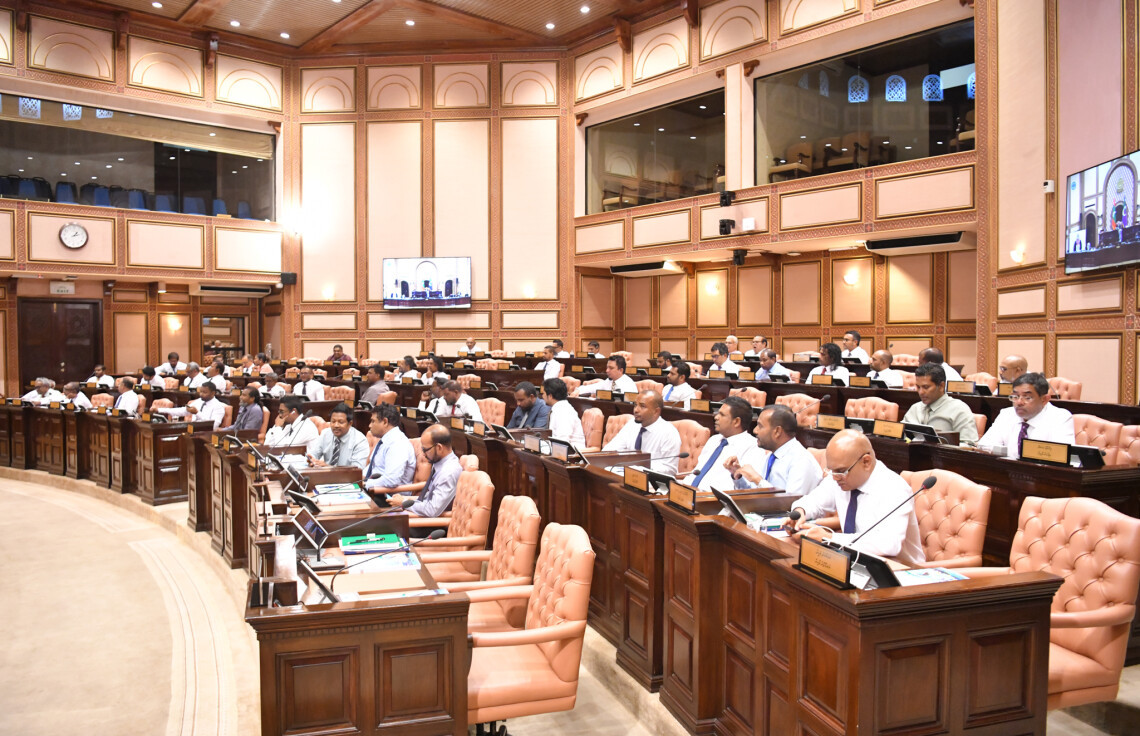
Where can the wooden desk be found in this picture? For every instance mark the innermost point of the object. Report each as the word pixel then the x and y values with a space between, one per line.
pixel 22 451
pixel 228 515
pixel 198 481
pixel 493 454
pixel 158 463
pixel 75 447
pixel 49 438
pixel 120 437
pixel 95 436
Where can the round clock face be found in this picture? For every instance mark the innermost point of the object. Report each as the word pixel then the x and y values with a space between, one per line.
pixel 73 236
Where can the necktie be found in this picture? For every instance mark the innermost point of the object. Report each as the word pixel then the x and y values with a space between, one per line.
pixel 712 459
pixel 852 508
pixel 873 374
pixel 771 462
pixel 335 452
pixel 303 387
pixel 372 460
pixel 120 397
pixel 668 391
pixel 1022 435
pixel 637 443
pixel 526 419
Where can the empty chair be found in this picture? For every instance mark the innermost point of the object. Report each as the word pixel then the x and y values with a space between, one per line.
pixel 102 400
pixel 984 379
pixel 872 407
pixel 795 163
pixel 1128 450
pixel 8 186
pixel 908 380
pixel 243 210
pixel 1097 432
pixel 751 394
pixel 101 197
pixel 1063 388
pixel 26 189
pixel 118 197
pixel 42 188
pixel 340 393
pixel 905 359
pixel 164 203
pixel 851 152
pixel 805 407
pixel 169 404
pixel 510 561
pixel 465 380
pixel 494 410
pixel 136 199
pixel 593 424
pixel 193 205
pixel 66 192
pixel 952 516
pixel 219 207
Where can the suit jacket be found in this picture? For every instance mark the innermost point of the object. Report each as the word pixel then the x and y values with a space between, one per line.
pixel 537 418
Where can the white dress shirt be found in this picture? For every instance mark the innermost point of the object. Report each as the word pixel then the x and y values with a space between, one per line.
pixel 194 382
pixel 353 448
pixel 33 397
pixel 741 445
pixel 165 370
pixel 158 383
pixel 429 377
pixel 795 469
pixel 595 356
pixel 128 401
pixel 728 367
pixel 897 536
pixel 624 384
pixel 661 440
pixel 1052 424
pixel 219 382
pixel 465 406
pixel 566 425
pixel 209 411
pixel 951 374
pixel 563 354
pixel 414 375
pixel 837 373
pixel 278 390
pixel 81 401
pixel 393 459
pixel 683 392
pixel 857 352
pixel 753 353
pixel 432 405
pixel 890 376
pixel 549 368
pixel 103 380
pixel 300 432
pixel 311 389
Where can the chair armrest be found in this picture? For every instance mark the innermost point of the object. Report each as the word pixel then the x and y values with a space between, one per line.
pixel 500 593
pixel 954 562
pixel 468 586
pixel 410 489
pixel 1109 616
pixel 469 541
pixel 557 632
pixel 422 521
pixel 480 555
pixel 982 572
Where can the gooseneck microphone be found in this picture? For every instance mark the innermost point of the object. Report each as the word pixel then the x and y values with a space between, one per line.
pixel 437 534
pixel 622 463
pixel 926 486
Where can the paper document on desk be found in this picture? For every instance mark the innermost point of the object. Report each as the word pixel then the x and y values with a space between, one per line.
pixel 927 575
pixel 387 563
pixel 342 499
pixel 338 488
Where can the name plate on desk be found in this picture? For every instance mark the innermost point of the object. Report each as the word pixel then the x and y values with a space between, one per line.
pixel 116 412
pixel 423 353
pixel 327 364
pixel 1005 389
pixel 654 372
pixel 520 353
pixel 406 380
pixel 251 460
pixel 683 497
pixel 3 401
pixel 860 382
pixel 91 384
pixel 181 372
pixel 714 373
pixel 457 423
pixel 478 429
pixel 235 391
pixel 820 380
pixel 146 417
pixel 53 404
pixel 698 405
pixel 636 479
pixel 184 388
pixel 98 409
pixel 708 356
pixel 144 387
pixel 480 354
pixel 532 443
pixel 17 402
pixel 629 371
pixel 605 395
pixel 189 427
pixel 747 375
pixel 831 421
pixel 560 451
pixel 215 440
pixel 410 412
pixel 960 387
pixel 822 561
pixel 1056 453
pixel 883 428
pixel 476 383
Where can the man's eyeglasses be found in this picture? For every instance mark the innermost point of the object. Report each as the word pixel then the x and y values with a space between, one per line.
pixel 837 474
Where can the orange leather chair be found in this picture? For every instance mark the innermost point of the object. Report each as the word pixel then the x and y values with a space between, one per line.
pixel 171 383
pixel 952 516
pixel 614 425
pixel 494 410
pixel 106 400
pixel 820 455
pixel 469 462
pixel 593 424
pixel 794 376
pixel 908 380
pixel 806 408
pixel 696 370
pixel 1063 388
pixel 649 384
pixel 1096 549
pixel 625 354
pixel 253 384
pixel 498 353
pixel 340 393
pixel 142 404
pixel 388 397
pixel 1090 430
pixel 522 672
pixel 228 418
pixel 470 515
pixel 320 423
pixel 980 423
pixel 265 425
pixel 1128 451
pixel 872 407
pixel 466 379
pixel 292 372
pixel 572 383
pixel 905 359
pixel 693 438
pixel 510 561
pixel 154 405
pixel 751 394
pixel 985 379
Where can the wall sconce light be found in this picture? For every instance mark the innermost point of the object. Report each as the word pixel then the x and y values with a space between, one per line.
pixel 528 291
pixel 173 323
pixel 161 287
pixel 851 277
pixel 1017 255
pixel 712 287
pixel 328 293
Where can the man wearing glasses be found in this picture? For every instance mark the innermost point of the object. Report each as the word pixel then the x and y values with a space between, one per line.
pixel 1031 417
pixel 861 491
pixel 439 492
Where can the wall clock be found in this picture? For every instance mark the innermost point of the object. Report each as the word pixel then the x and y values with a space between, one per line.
pixel 73 235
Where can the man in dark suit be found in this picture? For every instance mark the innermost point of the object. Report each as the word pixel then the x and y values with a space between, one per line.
pixel 530 413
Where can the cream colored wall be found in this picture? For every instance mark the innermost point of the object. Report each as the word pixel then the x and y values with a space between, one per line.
pixel 130 337
pixel 462 196
pixel 328 212
pixel 1095 362
pixel 637 297
pixel 530 222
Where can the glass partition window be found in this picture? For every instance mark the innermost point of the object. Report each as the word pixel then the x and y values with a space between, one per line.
pixel 658 155
pixel 223 338
pixel 57 152
pixel 904 100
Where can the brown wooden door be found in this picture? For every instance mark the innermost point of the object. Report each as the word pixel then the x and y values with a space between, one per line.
pixel 60 340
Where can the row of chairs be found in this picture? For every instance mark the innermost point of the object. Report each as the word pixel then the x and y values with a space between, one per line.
pixel 100 195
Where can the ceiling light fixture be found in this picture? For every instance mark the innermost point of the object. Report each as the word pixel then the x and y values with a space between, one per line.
pixel 121 158
pixel 211 135
pixel 284 35
pixel 235 23
pixel 692 137
pixel 156 5
pixel 110 166
pixel 585 8
pixel 550 26
pixel 660 130
pixel 409 22
pixel 704 107
pixel 63 173
pixel 636 125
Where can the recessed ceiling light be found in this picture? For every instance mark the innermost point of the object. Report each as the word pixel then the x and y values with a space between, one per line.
pixel 550 26
pixel 886 143
pixel 94 177
pixel 21 171
pixel 233 172
pixel 636 124
pixel 336 1
pixel 156 5
pixel 907 147
pixel 63 173
pixel 409 22
pixel 235 23
pixel 939 143
pixel 109 166
pixel 703 107
pixel 29 158
pixel 692 137
pixel 245 166
pixel 121 158
pixel 260 160
pixel 803 137
pixel 660 130
pixel 76 163
pixel 211 135
pixel 171 158
pixel 585 8
pixel 284 35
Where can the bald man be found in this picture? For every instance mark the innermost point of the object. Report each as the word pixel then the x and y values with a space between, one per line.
pixel 881 369
pixel 861 491
pixel 439 492
pixel 648 432
pixel 1012 367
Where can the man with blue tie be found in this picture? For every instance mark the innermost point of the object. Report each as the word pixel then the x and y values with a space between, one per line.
pixel 732 421
pixel 677 386
pixel 787 465
pixel 530 413
pixel 392 462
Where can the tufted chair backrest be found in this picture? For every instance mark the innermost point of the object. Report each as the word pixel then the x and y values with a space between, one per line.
pixel 494 410
pixel 228 419
pixel 423 465
pixel 820 455
pixel 625 354
pixel 389 376
pixel 292 372
pixel 696 370
pixel 1096 549
pixel 156 404
pixel 471 509
pixel 465 380
pixel 365 362
pixel 806 407
pixel 952 516
pixel 388 397
pixel 751 394
pixel 794 376
pixel 265 425
pixel 1128 450
pixel 693 438
pixel 985 379
pixel 486 364
pixel 614 425
pixel 320 373
pixel 469 462
pixel 498 353
pixel 593 426
pixel 340 393
pixel 516 539
pixel 319 422
pixel 909 381
pixel 872 407
pixel 104 400
pixel 572 383
pixel 980 423
pixel 1090 430
pixel 170 383
pixel 905 359
pixel 142 404
pixel 1063 388
pixel 561 592
pixel 649 384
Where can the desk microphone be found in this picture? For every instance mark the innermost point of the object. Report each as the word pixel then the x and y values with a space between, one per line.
pixel 810 404
pixel 623 463
pixel 437 534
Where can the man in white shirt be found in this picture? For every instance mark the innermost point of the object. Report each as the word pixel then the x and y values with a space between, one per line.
pixel 851 349
pixel 205 408
pixel 44 393
pixel 732 343
pixel 436 373
pixel 648 432
pixel 595 349
pixel 392 462
pixel 732 439
pixel 564 422
pixel 72 394
pixel 881 369
pixel 721 361
pixel 787 464
pixel 432 400
pixel 406 368
pixel 247 366
pixel 560 349
pixel 1012 367
pixel 458 403
pixel 677 386
pixel 214 376
pixel 292 427
pixel 171 367
pixel 862 491
pixel 549 366
pixel 101 379
pixel 152 379
pixel 769 367
pixel 127 400
pixel 1032 416
pixel 194 377
pixel 934 355
pixel 830 364
pixel 340 444
pixel 759 345
pixel 470 344
pixel 615 380
pixel 307 387
pixel 272 387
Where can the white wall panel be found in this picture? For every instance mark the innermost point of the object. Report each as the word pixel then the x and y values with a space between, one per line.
pixel 463 196
pixel 530 209
pixel 395 209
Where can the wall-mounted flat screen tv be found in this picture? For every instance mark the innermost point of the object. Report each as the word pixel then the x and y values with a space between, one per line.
pixel 1100 216
pixel 427 283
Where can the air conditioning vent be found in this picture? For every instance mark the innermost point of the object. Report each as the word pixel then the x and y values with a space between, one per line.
pixel 941 243
pixel 243 292
pixel 652 268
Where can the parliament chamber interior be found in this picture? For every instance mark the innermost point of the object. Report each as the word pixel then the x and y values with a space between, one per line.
pixel 619 367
